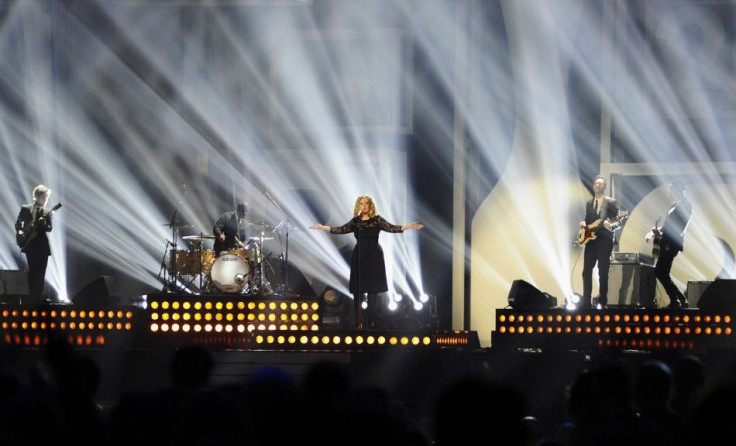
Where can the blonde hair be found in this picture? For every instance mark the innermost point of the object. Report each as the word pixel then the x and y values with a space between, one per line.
pixel 372 212
pixel 41 189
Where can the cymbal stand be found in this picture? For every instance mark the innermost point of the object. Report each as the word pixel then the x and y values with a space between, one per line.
pixel 284 225
pixel 171 284
pixel 284 257
pixel 174 225
pixel 163 272
pixel 265 286
pixel 200 251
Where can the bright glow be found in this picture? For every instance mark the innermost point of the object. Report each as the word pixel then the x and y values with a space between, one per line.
pixel 176 110
pixel 147 114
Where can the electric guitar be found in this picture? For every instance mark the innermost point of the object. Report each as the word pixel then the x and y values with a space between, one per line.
pixel 657 231
pixel 22 240
pixel 590 232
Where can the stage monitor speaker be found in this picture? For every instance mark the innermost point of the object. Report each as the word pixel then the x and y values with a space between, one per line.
pixel 695 290
pixel 13 285
pixel 631 285
pixel 102 292
pixel 720 296
pixel 525 296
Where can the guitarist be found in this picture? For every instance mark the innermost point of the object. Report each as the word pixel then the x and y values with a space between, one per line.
pixel 671 240
pixel 31 226
pixel 598 250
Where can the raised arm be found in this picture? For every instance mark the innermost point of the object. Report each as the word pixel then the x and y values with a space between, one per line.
pixel 412 225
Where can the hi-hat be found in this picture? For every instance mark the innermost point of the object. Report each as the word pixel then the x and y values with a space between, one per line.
pixel 198 237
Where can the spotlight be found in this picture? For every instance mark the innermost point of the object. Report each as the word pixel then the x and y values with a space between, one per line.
pixel 335 308
pixel 572 302
pixel 393 302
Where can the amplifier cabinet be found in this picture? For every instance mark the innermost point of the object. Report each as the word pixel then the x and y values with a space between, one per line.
pixel 695 289
pixel 13 285
pixel 631 285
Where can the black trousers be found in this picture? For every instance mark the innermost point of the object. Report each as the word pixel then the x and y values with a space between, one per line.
pixel 597 251
pixel 662 270
pixel 37 264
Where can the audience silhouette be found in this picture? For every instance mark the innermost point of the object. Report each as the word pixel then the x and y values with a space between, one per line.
pixel 652 403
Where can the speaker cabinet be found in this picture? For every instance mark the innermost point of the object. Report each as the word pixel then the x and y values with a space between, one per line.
pixel 102 292
pixel 720 296
pixel 525 296
pixel 695 290
pixel 631 285
pixel 13 286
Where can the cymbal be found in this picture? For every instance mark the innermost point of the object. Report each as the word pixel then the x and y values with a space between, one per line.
pixel 261 224
pixel 198 237
pixel 177 226
pixel 261 238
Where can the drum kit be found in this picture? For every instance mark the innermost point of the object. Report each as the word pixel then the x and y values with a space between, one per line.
pixel 239 270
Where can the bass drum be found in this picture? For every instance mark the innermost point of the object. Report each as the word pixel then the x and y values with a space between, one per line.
pixel 230 273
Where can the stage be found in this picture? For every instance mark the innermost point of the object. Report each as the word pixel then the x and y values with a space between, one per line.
pixel 539 350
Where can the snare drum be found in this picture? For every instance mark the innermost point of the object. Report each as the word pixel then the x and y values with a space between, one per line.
pixel 230 273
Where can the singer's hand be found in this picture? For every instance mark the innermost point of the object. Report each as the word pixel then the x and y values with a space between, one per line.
pixel 414 225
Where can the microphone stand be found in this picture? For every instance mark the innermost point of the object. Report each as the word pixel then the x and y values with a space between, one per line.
pixel 285 224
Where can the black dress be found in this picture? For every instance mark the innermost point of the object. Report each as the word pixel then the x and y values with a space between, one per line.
pixel 367 267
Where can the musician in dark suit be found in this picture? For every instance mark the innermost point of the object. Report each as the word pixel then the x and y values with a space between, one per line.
pixel 31 226
pixel 670 238
pixel 604 209
pixel 231 230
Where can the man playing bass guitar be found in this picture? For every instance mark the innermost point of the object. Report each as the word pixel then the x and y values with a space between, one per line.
pixel 669 239
pixel 598 248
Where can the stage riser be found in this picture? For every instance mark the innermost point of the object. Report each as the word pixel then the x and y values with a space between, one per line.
pixel 249 323
pixel 635 329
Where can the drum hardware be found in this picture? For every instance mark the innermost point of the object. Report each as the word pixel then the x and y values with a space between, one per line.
pixel 283 227
pixel 283 287
pixel 170 281
pixel 263 286
pixel 201 259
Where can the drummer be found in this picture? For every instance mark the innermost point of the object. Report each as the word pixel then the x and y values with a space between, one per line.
pixel 231 230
